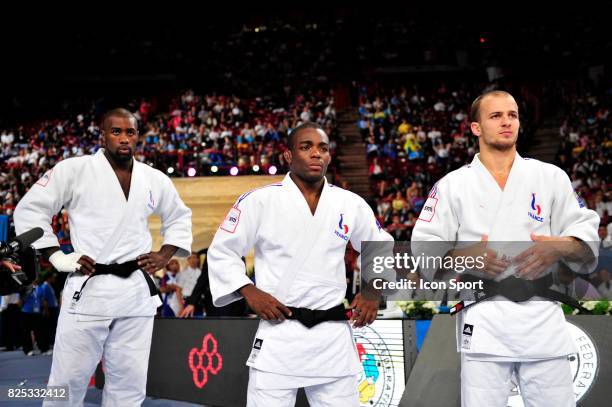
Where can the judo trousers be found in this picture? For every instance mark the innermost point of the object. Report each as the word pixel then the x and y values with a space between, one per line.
pixel 123 345
pixel 341 391
pixel 542 383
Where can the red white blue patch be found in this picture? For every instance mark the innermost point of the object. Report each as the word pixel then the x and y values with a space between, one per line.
pixel 536 209
pixel 343 229
pixel 429 208
pixel 230 223
pixel 44 180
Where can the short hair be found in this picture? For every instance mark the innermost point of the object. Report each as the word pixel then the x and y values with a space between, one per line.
pixel 118 112
pixel 475 110
pixel 303 126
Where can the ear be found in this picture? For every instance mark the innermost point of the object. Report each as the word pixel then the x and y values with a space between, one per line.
pixel 102 139
pixel 475 127
pixel 287 156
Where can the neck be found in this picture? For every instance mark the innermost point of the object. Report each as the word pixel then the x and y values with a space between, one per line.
pixel 497 161
pixel 308 188
pixel 119 165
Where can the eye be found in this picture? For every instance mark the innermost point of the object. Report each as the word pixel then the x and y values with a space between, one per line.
pixel 116 131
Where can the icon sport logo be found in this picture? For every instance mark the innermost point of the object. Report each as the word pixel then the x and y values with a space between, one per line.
pixel 344 229
pixel 536 209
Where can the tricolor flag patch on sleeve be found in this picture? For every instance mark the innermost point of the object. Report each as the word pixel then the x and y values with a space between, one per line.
pixel 44 180
pixel 231 220
pixel 429 208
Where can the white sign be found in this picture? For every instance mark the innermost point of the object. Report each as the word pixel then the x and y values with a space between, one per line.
pixel 380 347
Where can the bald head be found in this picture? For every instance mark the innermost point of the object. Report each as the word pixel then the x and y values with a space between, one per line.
pixel 118 112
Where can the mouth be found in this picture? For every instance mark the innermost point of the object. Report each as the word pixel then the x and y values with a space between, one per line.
pixel 506 133
pixel 315 167
pixel 124 150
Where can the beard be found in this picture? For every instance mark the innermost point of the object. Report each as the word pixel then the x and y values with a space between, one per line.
pixel 121 158
pixel 500 144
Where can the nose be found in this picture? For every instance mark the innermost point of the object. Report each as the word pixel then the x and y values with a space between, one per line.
pixel 315 152
pixel 505 121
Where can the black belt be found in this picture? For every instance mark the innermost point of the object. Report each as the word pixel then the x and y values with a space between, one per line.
pixel 517 290
pixel 123 270
pixel 312 317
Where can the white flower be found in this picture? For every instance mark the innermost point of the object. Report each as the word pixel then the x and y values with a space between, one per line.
pixel 590 305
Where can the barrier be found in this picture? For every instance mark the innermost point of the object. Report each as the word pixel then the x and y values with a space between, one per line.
pixel 203 360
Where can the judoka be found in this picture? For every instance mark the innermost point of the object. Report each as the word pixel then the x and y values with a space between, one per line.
pixel 504 197
pixel 109 300
pixel 299 228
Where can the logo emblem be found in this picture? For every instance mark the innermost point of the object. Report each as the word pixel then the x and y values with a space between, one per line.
pixel 344 229
pixel 205 360
pixel 380 354
pixel 536 208
pixel 341 226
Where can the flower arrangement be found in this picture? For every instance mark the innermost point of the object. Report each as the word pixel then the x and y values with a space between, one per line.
pixel 419 309
pixel 427 309
pixel 596 307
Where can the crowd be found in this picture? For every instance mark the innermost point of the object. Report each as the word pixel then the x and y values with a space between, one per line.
pixel 195 135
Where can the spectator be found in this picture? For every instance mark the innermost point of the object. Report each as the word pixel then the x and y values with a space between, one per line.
pixel 10 315
pixel 171 292
pixel 50 306
pixel 33 327
pixel 188 277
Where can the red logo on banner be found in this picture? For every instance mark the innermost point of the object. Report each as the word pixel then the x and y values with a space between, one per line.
pixel 205 360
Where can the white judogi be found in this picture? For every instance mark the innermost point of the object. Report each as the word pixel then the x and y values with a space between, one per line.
pixel 277 221
pixel 109 229
pixel 467 204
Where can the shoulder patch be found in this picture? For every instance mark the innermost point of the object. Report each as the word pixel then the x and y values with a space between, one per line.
pixel 44 180
pixel 429 209
pixel 230 223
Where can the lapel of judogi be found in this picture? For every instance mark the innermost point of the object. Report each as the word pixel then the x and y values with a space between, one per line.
pixel 303 242
pixel 137 189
